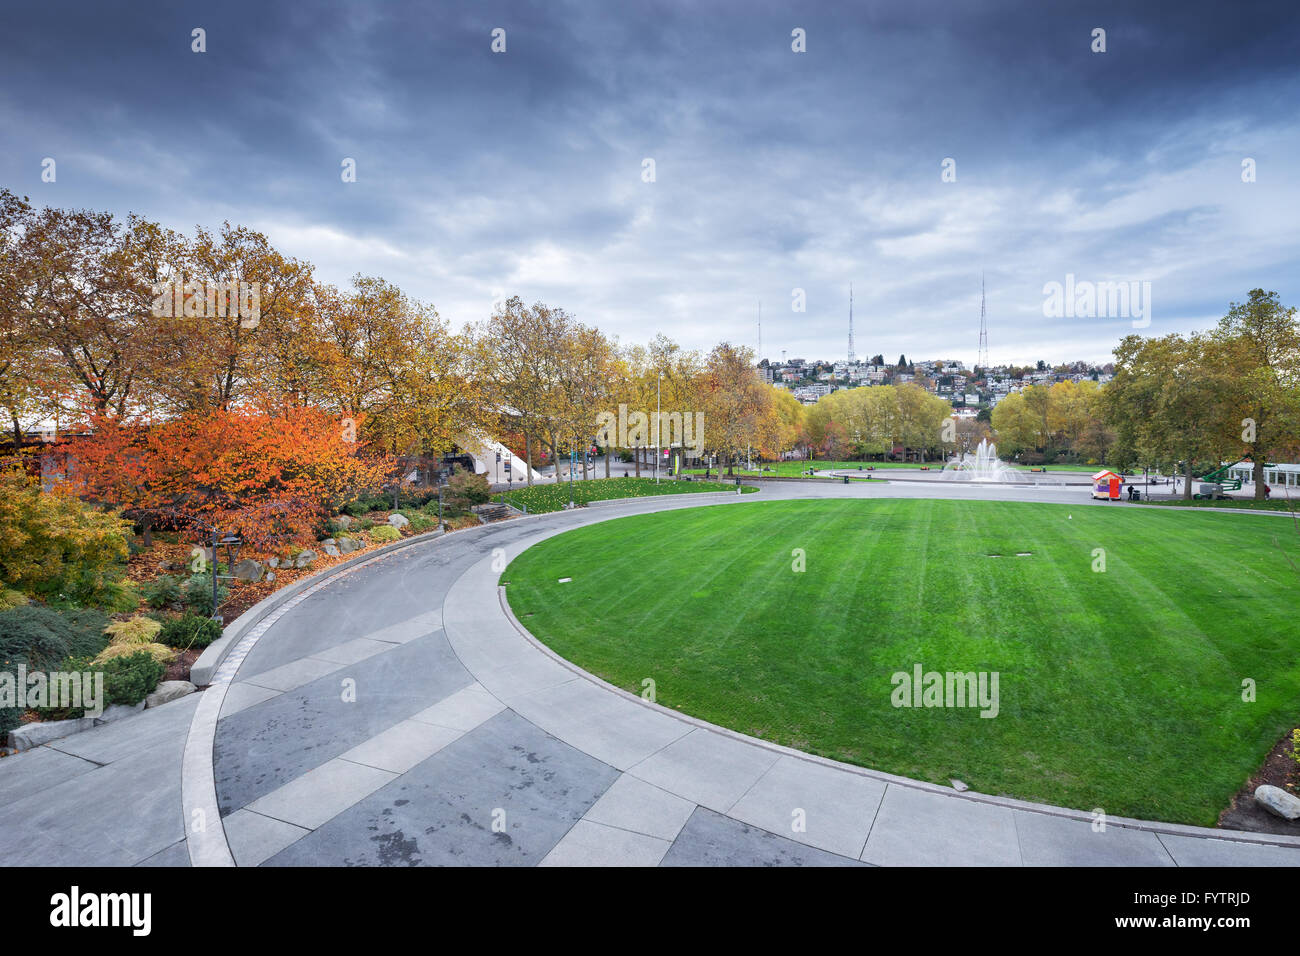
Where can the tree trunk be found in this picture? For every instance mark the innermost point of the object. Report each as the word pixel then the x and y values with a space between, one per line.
pixel 606 462
pixel 1258 475
pixel 1187 491
pixel 636 455
pixel 528 454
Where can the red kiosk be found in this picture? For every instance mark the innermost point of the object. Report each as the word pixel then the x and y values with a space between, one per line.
pixel 1107 484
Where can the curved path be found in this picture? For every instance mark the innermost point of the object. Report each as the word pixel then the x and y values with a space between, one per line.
pixel 394 713
pixel 400 715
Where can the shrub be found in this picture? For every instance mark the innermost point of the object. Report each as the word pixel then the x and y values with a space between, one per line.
pixel 465 488
pixel 159 652
pixel 129 679
pixel 188 631
pixel 56 546
pixel 35 636
pixel 163 592
pixel 43 639
pixel 138 630
pixel 198 594
pixel 419 521
pixel 12 599
pixel 385 532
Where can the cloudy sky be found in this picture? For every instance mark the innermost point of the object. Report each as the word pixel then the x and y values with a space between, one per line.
pixel 482 173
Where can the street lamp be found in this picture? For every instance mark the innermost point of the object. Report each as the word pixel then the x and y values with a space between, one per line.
pixel 233 543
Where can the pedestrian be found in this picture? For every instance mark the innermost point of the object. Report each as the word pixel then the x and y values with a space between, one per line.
pixel 1267 491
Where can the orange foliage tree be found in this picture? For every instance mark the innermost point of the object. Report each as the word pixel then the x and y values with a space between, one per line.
pixel 270 477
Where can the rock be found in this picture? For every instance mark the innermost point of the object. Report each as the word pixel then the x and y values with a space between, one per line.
pixel 169 690
pixel 348 545
pixel 248 570
pixel 270 576
pixel 169 567
pixel 33 735
pixel 118 711
pixel 272 562
pixel 328 542
pixel 332 551
pixel 1277 801
pixel 341 522
pixel 398 520
pixel 958 785
pixel 305 558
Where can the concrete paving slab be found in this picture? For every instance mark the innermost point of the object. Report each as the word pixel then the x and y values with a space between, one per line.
pixel 706 768
pixel 921 828
pixel 837 807
pixel 30 772
pixel 264 747
pixel 711 839
pixel 402 746
pixel 611 728
pixel 176 855
pixel 504 794
pixel 242 695
pixel 411 629
pixel 1047 840
pixel 321 794
pixel 633 804
pixel 117 815
pixel 594 844
pixel 1199 851
pixel 292 675
pixel 463 710
pixel 255 838
pixel 122 738
pixel 352 651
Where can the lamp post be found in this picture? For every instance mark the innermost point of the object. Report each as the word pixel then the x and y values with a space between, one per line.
pixel 659 389
pixel 233 543
pixel 572 448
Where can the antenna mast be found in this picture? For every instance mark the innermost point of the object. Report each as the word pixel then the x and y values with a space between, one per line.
pixel 852 357
pixel 984 331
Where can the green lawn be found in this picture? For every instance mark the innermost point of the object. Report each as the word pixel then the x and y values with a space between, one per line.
pixel 555 497
pixel 1249 504
pixel 1119 690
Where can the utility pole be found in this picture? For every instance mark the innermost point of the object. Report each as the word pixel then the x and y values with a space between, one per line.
pixel 984 333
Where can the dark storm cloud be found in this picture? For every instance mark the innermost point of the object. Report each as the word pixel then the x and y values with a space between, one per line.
pixel 479 174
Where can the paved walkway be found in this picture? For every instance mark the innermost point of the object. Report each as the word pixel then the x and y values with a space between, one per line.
pixel 396 714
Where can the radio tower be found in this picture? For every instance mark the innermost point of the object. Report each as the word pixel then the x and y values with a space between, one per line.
pixel 984 332
pixel 852 357
pixel 760 330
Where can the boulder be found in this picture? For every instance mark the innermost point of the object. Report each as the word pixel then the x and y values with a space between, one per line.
pixel 341 522
pixel 332 551
pixel 398 520
pixel 272 562
pixel 248 570
pixel 327 542
pixel 169 690
pixel 348 545
pixel 270 576
pixel 1278 802
pixel 305 558
pixel 118 711
pixel 33 735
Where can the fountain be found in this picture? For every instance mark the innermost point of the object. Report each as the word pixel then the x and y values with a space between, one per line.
pixel 984 465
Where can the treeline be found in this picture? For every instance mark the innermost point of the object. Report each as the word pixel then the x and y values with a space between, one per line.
pixel 859 423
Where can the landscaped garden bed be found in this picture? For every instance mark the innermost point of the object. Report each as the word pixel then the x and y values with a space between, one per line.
pixel 540 499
